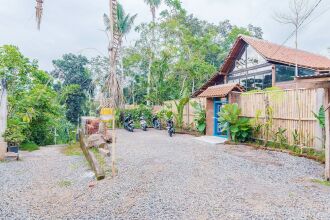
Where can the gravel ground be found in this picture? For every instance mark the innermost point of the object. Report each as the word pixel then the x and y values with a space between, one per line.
pixel 165 178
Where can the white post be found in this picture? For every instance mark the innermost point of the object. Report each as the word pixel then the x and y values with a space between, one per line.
pixel 327 140
pixel 320 97
pixel 3 117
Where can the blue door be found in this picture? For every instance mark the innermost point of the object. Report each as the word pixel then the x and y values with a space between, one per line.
pixel 217 127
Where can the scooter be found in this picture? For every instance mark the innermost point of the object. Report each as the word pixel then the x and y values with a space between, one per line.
pixel 143 123
pixel 170 127
pixel 156 123
pixel 129 123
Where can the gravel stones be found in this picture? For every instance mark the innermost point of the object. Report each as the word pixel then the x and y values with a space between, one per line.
pixel 165 178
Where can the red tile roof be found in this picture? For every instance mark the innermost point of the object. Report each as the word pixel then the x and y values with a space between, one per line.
pixel 221 90
pixel 277 53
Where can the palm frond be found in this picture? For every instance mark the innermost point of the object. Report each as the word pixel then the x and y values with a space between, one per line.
pixel 153 3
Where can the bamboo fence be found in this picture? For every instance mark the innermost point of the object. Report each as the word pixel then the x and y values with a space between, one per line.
pixel 292 110
pixel 189 112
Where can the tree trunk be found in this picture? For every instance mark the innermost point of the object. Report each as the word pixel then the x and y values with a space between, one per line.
pixel 151 54
pixel 3 117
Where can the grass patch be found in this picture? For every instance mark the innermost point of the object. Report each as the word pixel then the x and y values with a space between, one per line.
pixel 29 146
pixel 64 183
pixel 322 182
pixel 309 152
pixel 73 150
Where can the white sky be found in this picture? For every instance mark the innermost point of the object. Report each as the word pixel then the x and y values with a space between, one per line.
pixel 75 25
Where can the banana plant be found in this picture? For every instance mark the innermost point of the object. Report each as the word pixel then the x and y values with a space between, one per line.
pixel 239 128
pixel 180 107
pixel 320 117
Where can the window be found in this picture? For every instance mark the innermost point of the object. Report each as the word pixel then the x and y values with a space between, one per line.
pixel 254 81
pixel 287 73
pixel 248 58
pixel 305 72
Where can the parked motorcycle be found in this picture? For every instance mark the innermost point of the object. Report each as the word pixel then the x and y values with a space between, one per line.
pixel 143 123
pixel 129 123
pixel 170 127
pixel 156 123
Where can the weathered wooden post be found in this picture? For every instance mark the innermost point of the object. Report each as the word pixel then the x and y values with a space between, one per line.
pixel 3 117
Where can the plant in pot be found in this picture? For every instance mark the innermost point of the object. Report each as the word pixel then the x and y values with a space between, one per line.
pixel 14 136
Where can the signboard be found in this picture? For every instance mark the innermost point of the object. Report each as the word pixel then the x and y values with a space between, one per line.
pixel 107 114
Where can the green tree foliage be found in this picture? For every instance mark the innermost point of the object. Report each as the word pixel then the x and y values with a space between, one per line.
pixel 76 82
pixel 34 109
pixel 185 52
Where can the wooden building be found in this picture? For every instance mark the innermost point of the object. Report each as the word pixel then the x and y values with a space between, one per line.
pixel 255 64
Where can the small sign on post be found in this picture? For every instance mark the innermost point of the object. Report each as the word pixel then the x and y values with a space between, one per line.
pixel 108 115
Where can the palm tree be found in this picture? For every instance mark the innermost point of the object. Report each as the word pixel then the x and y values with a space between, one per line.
pixel 153 4
pixel 124 25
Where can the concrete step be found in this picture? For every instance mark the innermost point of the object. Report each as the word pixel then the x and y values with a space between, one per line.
pixel 211 140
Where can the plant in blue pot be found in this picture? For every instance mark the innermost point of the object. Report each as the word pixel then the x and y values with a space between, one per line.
pixel 14 136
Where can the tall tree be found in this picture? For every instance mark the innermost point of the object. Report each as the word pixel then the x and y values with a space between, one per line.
pixel 76 83
pixel 153 4
pixel 299 12
pixel 124 25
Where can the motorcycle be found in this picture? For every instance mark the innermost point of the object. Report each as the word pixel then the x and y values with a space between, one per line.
pixel 170 127
pixel 129 123
pixel 156 123
pixel 143 123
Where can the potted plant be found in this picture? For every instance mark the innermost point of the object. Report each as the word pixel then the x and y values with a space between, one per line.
pixel 14 136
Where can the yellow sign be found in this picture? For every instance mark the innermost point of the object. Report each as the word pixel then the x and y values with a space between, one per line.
pixel 107 114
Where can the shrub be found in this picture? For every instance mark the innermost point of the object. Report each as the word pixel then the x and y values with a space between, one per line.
pixel 239 128
pixel 136 113
pixel 200 117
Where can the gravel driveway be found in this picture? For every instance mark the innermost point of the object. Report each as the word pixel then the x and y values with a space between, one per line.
pixel 165 178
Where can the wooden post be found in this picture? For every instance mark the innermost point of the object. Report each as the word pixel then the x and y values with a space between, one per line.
pixel 327 140
pixel 113 157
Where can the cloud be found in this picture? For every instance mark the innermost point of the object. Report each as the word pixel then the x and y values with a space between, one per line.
pixel 75 26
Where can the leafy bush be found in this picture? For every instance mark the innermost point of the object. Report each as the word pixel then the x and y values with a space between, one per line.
pixel 200 117
pixel 136 113
pixel 14 133
pixel 279 139
pixel 239 128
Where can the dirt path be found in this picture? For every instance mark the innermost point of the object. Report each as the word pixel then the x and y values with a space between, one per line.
pixel 165 178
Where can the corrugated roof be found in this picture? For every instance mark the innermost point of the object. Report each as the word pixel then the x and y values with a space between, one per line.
pixel 221 90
